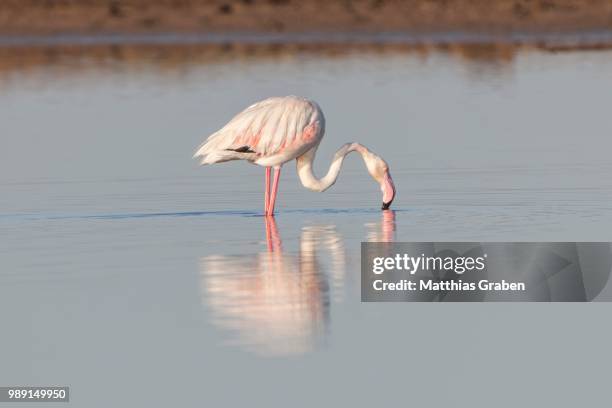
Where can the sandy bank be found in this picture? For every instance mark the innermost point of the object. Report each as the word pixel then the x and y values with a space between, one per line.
pixel 42 17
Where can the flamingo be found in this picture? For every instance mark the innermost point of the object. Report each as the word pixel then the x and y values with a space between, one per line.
pixel 277 130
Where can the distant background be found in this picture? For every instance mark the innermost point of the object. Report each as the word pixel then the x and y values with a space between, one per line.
pixel 147 16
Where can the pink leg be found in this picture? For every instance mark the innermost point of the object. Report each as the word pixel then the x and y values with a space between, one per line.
pixel 274 190
pixel 267 193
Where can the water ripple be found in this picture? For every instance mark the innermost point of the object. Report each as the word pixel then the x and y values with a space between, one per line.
pixel 137 215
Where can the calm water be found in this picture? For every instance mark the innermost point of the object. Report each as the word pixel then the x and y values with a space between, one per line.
pixel 139 279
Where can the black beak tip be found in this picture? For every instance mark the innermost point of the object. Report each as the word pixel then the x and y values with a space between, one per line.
pixel 385 206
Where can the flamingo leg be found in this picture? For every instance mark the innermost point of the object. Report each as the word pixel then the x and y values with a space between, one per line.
pixel 277 171
pixel 267 192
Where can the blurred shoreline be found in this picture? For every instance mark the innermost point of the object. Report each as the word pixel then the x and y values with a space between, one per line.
pixel 530 20
pixel 78 35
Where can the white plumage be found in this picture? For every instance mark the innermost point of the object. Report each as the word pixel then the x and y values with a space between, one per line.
pixel 266 133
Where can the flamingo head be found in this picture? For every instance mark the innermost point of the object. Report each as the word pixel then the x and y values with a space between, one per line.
pixel 388 189
pixel 379 170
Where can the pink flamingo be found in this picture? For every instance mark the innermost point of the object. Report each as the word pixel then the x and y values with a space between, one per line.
pixel 277 130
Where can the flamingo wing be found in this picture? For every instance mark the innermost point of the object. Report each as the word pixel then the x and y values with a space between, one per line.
pixel 264 129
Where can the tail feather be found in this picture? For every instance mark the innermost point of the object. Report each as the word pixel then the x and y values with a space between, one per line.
pixel 212 151
pixel 222 156
pixel 214 157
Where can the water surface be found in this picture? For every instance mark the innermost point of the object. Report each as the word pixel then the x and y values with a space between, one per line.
pixel 125 267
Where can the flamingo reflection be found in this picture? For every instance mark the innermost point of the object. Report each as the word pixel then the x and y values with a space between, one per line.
pixel 277 302
pixel 383 232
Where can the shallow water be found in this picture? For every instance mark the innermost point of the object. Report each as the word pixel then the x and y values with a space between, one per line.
pixel 132 275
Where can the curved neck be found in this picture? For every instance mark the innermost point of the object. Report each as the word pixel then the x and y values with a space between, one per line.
pixel 306 174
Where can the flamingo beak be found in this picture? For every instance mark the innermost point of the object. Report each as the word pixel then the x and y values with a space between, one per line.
pixel 388 190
